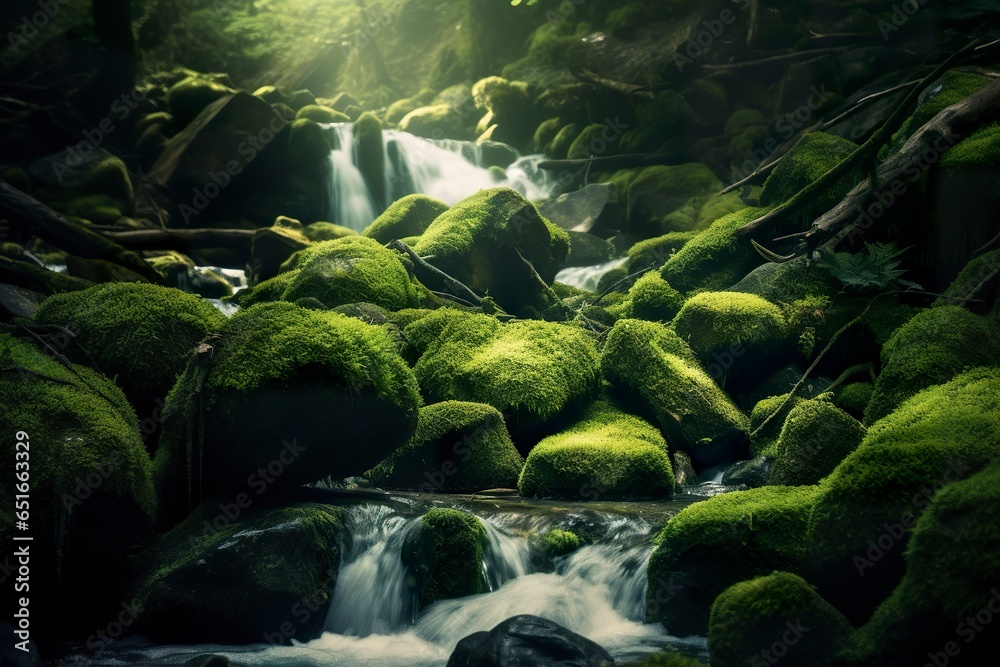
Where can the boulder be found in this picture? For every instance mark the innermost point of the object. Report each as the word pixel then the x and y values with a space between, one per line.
pixel 592 207
pixel 815 438
pixel 272 246
pixel 189 97
pixel 321 114
pixel 528 640
pixel 587 250
pixel 438 121
pixel 854 398
pixel 327 231
pixel 406 217
pixel 749 474
pixel 651 298
pixel 814 154
pixel 370 152
pixel 445 556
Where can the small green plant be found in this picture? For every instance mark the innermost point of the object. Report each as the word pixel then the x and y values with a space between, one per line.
pixel 875 270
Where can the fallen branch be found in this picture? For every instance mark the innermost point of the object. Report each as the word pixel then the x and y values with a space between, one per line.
pixel 457 287
pixel 38 279
pixel 610 162
pixel 610 84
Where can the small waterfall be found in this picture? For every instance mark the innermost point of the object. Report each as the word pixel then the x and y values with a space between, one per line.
pixel 507 556
pixel 353 205
pixel 588 277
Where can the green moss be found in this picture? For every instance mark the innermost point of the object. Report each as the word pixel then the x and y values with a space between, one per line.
pixel 651 368
pixel 714 322
pixel 715 259
pixel 321 114
pixel 327 231
pixel 711 545
pixel 398 109
pixel 651 298
pixel 751 618
pixel 456 540
pixel 588 250
pixel 590 142
pixel 370 154
pixel 977 286
pixel 606 454
pixel 271 247
pixel 307 144
pixel 281 374
pixel 438 121
pixel 458 447
pixel 978 150
pixel 170 264
pixel 953 87
pixel 531 371
pixel 234 581
pixel 666 660
pixel 788 282
pixel 140 333
pixel 815 438
pixel 409 216
pixel 541 142
pixel 656 251
pixel 98 209
pixel 664 198
pixel 563 139
pixel 933 347
pixel 561 542
pixel 941 435
pixel 763 441
pixel 853 398
pixel 187 98
pixel 812 156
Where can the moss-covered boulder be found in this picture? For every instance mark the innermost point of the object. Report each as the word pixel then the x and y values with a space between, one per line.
pixel 510 106
pixel 458 447
pixel 655 371
pixel 658 192
pixel 977 286
pixel 409 216
pixel 765 429
pixel 74 446
pixel 654 252
pixel 326 231
pixel 711 545
pixel 606 454
pixel 531 371
pixel 242 580
pixel 139 333
pixel 436 121
pixel 321 114
pixel 487 242
pixel 272 246
pixel 368 147
pixel 775 617
pixel 931 348
pixel 587 250
pixel 446 556
pixel 812 156
pixel 652 298
pixel 854 398
pixel 187 98
pixel 815 438
pixel 867 505
pixel 297 394
pixel 558 542
pixel 346 270
pixel 738 337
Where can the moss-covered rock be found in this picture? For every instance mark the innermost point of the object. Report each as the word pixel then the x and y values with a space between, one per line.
pixel 815 438
pixel 271 247
pixel 651 298
pixel 778 616
pixel 89 481
pixel 654 252
pixel 482 239
pixel 560 542
pixel 853 398
pixel 326 231
pixel 654 370
pixel 511 107
pixel 370 152
pixel 531 371
pixel 139 333
pixel 953 87
pixel 606 454
pixel 788 282
pixel 265 394
pixel 812 156
pixel 588 250
pixel 437 121
pixel 458 447
pixel 216 579
pixel 321 114
pixel 711 545
pixel 764 429
pixel 409 216
pixel 867 504
pixel 658 192
pixel 447 559
pixel 737 336
pixel 931 348
pixel 562 140
pixel 187 98
pixel 977 287
pixel 308 164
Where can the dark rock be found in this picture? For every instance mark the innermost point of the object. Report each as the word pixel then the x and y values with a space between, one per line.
pixel 683 470
pixel 594 206
pixel 751 474
pixel 528 641
pixel 587 250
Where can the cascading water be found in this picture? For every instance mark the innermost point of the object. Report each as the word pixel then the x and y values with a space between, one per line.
pixel 447 170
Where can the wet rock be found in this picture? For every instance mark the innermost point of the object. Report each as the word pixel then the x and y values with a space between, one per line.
pixel 528 640
pixel 586 249
pixel 593 207
pixel 683 470
pixel 750 474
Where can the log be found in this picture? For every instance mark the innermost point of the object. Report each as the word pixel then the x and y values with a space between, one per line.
pixel 610 162
pixel 182 239
pixel 38 279
pixel 31 217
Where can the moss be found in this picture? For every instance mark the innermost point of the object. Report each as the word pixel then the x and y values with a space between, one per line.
pixel 656 251
pixel 711 545
pixel 98 209
pixel 853 398
pixel 438 121
pixel 214 579
pixel 272 246
pixel 606 454
pixel 108 176
pixel 666 660
pixel 750 619
pixel 763 441
pixel 327 231
pixel 531 371
pixel 588 250
pixel 398 109
pixel 274 381
pixel 657 193
pixel 939 436
pixel 788 282
pixel 140 333
pixel 934 346
pixel 815 438
pixel 978 150
pixel 321 114
pixel 370 155
pixel 651 298
pixel 187 98
pixel 977 286
pixel 170 264
pixel 541 141
pixel 812 156
pixel 654 370
pixel 591 141
pixel 953 87
pixel 562 141
pixel 307 144
pixel 561 542
pixel 458 447
pixel 453 567
pixel 409 216
pixel 716 258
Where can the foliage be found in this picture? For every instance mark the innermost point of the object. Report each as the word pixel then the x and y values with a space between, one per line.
pixel 876 270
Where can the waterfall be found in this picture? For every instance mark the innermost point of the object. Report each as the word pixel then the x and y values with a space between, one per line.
pixel 448 170
pixel 588 277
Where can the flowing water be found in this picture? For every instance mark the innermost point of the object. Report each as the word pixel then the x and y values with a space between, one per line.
pixel 597 591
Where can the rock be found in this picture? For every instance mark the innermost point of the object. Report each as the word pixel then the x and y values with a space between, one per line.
pixel 269 388
pixel 558 542
pixel 651 298
pixel 245 580
pixel 370 152
pixel 658 192
pixel 71 174
pixel 346 270
pixel 541 141
pixel 481 241
pixel 438 121
pixel 342 102
pixel 750 474
pixel 788 282
pixel 142 334
pixel 654 252
pixel 592 142
pixel 815 438
pixel 587 249
pixel 308 156
pixel 327 231
pixel 752 618
pixel 18 302
pixel 272 246
pixel 528 640
pixel 943 434
pixel 853 398
pixel 90 484
pixel 594 206
pixel 409 216
pixel 764 436
pixel 446 556
pixel 683 470
pixel 496 154
pixel 651 368
pixel 189 97
pixel 977 287
pixel 511 108
pixel 205 282
pixel 812 156
pixel 738 337
pixel 321 114
pixel 458 447
pixel 711 545
pixel 169 263
pixel 607 454
pixel 933 347
pixel 564 138
pixel 530 371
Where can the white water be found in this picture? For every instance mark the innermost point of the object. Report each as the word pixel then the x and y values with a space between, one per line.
pixel 588 277
pixel 447 170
